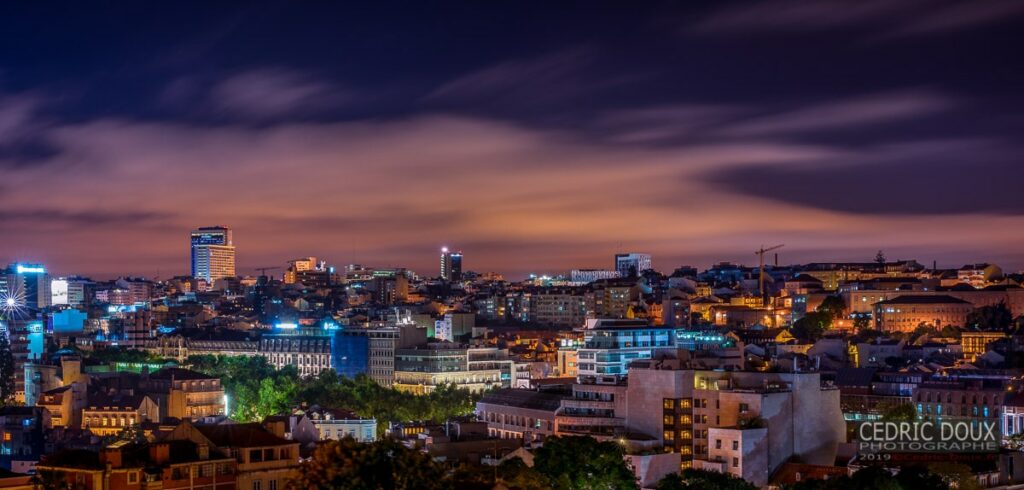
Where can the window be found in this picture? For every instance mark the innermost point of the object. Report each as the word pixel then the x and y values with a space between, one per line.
pixel 744 407
pixel 257 485
pixel 668 420
pixel 735 462
pixel 669 435
pixel 133 477
pixel 272 485
pixel 718 444
pixel 735 445
pixel 669 404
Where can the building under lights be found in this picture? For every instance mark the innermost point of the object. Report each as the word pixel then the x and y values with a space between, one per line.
pixel 213 253
pixel 306 348
pixel 632 264
pixel 611 345
pixel 26 286
pixel 451 265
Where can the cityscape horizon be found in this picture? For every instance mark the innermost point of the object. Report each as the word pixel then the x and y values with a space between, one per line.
pixel 399 245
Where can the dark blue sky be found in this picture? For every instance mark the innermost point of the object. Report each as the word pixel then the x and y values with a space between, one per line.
pixel 535 136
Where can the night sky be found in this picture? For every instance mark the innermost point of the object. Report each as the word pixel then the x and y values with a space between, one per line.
pixel 533 136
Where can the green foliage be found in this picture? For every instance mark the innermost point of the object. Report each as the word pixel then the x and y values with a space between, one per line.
pixel 991 318
pixel 861 323
pixel 6 371
pixel 811 327
pixel 692 479
pixel 515 475
pixel 255 389
pixel 583 463
pixel 833 306
pixel 385 465
pixel 955 475
pixel 121 354
pixel 874 477
pixel 671 481
pixel 903 412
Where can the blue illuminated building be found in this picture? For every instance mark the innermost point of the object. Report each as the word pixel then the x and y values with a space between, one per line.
pixel 350 352
pixel 26 285
pixel 68 322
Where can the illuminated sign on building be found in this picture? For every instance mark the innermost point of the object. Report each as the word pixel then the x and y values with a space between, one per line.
pixel 30 269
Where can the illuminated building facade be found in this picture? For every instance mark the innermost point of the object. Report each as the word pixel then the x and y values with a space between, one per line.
pixel 26 286
pixel 451 265
pixel 632 264
pixel 213 253
pixel 905 313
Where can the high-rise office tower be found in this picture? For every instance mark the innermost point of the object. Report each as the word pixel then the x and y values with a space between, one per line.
pixel 213 254
pixel 451 265
pixel 632 264
pixel 25 286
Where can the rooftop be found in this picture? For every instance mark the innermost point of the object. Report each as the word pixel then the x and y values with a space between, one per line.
pixel 912 299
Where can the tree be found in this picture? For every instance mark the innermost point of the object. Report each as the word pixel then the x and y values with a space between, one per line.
pixel 991 318
pixel 583 463
pixel 692 479
pixel 811 327
pixel 955 475
pixel 6 370
pixel 903 412
pixel 671 481
pixel 880 258
pixel 381 465
pixel 516 475
pixel 861 322
pixel 834 306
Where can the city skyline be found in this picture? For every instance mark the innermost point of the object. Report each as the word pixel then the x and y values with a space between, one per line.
pixel 535 144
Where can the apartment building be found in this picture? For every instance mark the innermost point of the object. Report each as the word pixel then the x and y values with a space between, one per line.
pixel 611 345
pixel 423 368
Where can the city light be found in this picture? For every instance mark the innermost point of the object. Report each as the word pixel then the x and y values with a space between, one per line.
pixel 28 269
pixel 286 326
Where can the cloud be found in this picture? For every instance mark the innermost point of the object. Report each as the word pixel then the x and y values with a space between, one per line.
pixel 50 218
pixel 884 18
pixel 556 78
pixel 860 111
pixel 689 122
pixel 924 178
pixel 392 191
pixel 269 93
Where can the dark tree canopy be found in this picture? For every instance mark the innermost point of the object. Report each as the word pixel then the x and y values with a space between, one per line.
pixel 382 465
pixel 583 463
pixel 7 387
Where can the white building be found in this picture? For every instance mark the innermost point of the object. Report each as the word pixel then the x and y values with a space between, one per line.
pixel 213 253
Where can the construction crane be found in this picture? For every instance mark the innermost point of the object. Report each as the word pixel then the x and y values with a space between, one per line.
pixel 760 279
pixel 263 270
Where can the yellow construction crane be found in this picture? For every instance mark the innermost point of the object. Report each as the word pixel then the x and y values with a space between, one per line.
pixel 760 279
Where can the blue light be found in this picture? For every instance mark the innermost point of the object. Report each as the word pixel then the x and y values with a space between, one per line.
pixel 31 269
pixel 286 326
pixel 331 326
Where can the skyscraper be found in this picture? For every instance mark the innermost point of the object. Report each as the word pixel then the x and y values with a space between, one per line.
pixel 632 264
pixel 25 286
pixel 213 254
pixel 451 265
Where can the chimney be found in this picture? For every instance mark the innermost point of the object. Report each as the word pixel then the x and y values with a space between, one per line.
pixel 111 456
pixel 160 453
